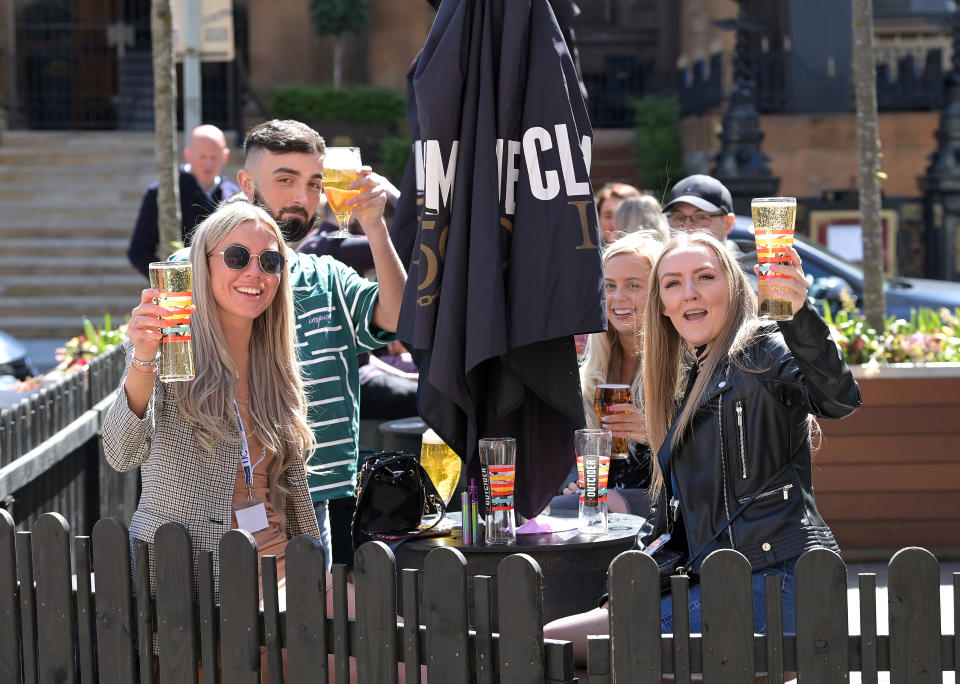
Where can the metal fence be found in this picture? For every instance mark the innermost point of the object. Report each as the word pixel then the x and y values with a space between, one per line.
pixel 784 85
pixel 50 451
pixel 101 631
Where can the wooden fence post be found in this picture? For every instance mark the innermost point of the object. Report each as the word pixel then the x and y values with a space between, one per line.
pixel 635 617
pixel 913 591
pixel 28 606
pixel 375 580
pixel 773 586
pixel 56 611
pixel 10 635
pixel 176 615
pixel 726 595
pixel 208 621
pixel 445 616
pixel 145 611
pixel 411 626
pixel 485 656
pixel 86 632
pixel 239 608
pixel 821 582
pixel 116 633
pixel 271 617
pixel 306 635
pixel 868 627
pixel 520 595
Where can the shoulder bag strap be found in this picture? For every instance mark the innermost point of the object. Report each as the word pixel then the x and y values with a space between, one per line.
pixel 736 514
pixel 433 499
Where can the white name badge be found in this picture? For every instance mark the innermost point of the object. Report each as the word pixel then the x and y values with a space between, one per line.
pixel 253 518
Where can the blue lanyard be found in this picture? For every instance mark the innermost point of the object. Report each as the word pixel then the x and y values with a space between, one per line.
pixel 245 451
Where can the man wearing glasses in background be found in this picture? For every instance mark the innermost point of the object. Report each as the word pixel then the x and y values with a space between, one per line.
pixel 701 202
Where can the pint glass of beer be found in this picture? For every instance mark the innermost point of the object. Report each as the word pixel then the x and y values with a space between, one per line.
pixel 593 469
pixel 498 468
pixel 773 223
pixel 605 397
pixel 340 168
pixel 174 280
pixel 441 463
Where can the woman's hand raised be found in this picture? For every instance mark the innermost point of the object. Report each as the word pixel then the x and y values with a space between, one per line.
pixel 146 319
pixel 794 286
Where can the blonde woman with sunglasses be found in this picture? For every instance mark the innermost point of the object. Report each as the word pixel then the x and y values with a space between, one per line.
pixel 226 449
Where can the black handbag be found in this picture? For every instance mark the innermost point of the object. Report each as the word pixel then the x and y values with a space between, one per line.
pixel 393 494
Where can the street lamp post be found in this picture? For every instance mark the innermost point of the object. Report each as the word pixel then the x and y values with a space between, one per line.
pixel 941 184
pixel 741 165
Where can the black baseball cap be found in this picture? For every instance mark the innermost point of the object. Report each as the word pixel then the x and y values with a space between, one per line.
pixel 703 192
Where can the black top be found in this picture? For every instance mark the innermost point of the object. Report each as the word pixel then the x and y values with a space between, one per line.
pixel 195 205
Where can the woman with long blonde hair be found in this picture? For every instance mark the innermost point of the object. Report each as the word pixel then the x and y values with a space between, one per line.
pixel 225 449
pixel 733 455
pixel 614 357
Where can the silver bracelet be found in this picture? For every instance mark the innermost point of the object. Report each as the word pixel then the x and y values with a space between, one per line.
pixel 147 364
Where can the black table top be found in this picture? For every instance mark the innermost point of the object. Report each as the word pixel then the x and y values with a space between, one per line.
pixel 620 527
pixel 403 426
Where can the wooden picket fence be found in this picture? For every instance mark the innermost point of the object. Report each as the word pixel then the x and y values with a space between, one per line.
pixel 51 631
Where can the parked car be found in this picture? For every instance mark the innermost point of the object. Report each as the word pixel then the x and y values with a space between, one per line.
pixel 833 274
pixel 14 359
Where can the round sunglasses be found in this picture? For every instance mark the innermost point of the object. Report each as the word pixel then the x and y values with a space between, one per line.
pixel 237 258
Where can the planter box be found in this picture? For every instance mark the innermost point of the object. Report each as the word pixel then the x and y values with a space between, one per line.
pixel 889 475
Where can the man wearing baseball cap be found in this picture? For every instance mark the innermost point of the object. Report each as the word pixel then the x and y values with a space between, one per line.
pixel 701 202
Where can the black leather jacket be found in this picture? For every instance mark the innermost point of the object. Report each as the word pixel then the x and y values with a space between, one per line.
pixel 753 426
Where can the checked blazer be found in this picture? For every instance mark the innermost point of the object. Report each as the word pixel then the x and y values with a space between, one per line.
pixel 181 483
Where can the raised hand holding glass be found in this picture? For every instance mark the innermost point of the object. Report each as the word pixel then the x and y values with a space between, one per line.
pixel 341 166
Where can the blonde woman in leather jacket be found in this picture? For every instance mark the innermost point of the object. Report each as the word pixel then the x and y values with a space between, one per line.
pixel 741 430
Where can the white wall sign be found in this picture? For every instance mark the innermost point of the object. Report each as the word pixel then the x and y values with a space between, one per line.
pixel 216 30
pixel 846 240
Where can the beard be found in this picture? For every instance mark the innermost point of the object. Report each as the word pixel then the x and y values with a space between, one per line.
pixel 293 222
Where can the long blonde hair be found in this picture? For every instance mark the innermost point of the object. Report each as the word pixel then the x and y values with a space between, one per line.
pixel 277 400
pixel 664 349
pixel 595 368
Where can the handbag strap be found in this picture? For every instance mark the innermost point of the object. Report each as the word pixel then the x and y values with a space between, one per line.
pixel 736 514
pixel 432 498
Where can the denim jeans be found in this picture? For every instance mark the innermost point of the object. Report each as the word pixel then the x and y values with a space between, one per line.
pixel 323 520
pixel 788 601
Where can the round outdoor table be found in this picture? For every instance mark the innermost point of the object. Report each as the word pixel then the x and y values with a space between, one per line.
pixel 574 568
pixel 402 434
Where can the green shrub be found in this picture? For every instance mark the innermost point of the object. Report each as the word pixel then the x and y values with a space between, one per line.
pixel 659 147
pixel 355 104
pixel 335 17
pixel 394 151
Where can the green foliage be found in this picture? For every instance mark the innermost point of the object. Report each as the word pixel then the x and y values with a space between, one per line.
pixel 394 151
pixel 324 104
pixel 93 342
pixel 334 17
pixel 656 126
pixel 928 336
